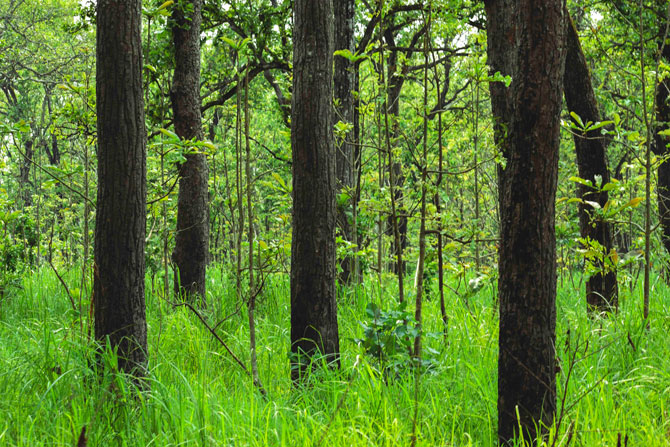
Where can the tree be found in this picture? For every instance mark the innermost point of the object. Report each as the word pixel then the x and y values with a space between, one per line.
pixel 525 41
pixel 313 299
pixel 343 81
pixel 191 251
pixel 118 290
pixel 662 140
pixel 590 146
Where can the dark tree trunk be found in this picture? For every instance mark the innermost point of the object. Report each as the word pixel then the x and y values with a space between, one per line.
pixel 343 81
pixel 601 289
pixel 660 146
pixel 191 252
pixel 118 291
pixel 526 42
pixel 313 300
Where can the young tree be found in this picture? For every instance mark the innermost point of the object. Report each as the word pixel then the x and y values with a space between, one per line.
pixel 601 288
pixel 191 251
pixel 313 300
pixel 118 291
pixel 526 42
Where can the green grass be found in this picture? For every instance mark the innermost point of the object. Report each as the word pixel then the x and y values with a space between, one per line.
pixel 50 388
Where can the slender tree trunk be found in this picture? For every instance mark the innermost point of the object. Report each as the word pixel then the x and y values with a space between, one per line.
pixel 251 303
pixel 526 42
pixel 24 172
pixel 191 252
pixel 398 219
pixel 601 288
pixel 343 81
pixel 118 291
pixel 314 327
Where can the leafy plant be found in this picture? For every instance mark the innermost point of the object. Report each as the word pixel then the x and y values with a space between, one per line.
pixel 388 336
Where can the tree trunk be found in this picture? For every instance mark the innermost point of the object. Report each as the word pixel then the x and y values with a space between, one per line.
pixel 191 252
pixel 120 229
pixel 396 81
pixel 313 300
pixel 343 81
pixel 601 288
pixel 24 174
pixel 661 149
pixel 526 42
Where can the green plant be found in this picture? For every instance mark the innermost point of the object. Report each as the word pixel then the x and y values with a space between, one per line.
pixel 388 337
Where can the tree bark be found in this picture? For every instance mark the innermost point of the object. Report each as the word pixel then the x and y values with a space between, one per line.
pixel 191 252
pixel 343 82
pixel 601 288
pixel 661 149
pixel 314 327
pixel 118 291
pixel 526 42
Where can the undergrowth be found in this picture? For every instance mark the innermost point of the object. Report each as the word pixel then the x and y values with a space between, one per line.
pixel 54 392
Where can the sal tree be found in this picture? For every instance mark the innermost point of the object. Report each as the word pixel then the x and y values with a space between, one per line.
pixel 526 42
pixel 313 307
pixel 121 207
pixel 191 250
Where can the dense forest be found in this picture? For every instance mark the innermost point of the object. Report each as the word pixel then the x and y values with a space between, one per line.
pixel 334 222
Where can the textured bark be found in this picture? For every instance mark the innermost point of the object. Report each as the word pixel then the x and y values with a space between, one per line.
pixel 118 291
pixel 343 82
pixel 601 289
pixel 191 252
pixel 313 299
pixel 660 146
pixel 526 42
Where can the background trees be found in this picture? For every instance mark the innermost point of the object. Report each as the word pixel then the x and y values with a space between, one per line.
pixel 191 252
pixel 413 104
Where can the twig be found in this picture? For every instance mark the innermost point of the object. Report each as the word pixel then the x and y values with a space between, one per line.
pixel 223 343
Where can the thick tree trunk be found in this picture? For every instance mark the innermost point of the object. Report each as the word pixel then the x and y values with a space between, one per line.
pixel 601 288
pixel 313 300
pixel 118 291
pixel 526 42
pixel 343 82
pixel 191 252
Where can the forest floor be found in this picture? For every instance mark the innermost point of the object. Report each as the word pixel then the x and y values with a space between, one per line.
pixel 613 383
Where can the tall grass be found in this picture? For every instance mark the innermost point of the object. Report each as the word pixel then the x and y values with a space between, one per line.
pixel 51 388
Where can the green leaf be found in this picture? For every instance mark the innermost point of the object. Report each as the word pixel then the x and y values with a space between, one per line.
pixel 611 185
pixel 600 124
pixel 279 180
pixel 577 119
pixel 581 181
pixel 351 57
pixel 168 133
pixel 165 5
